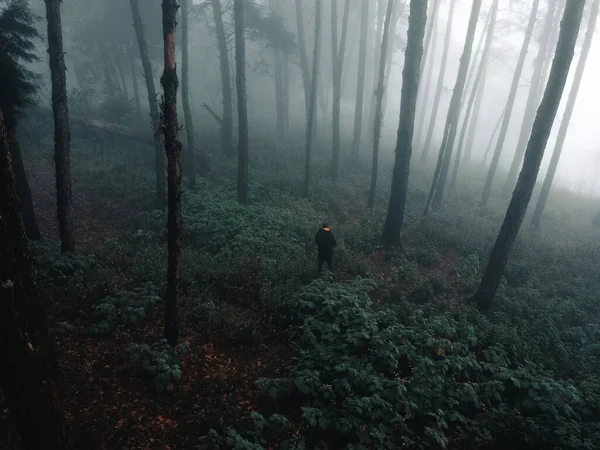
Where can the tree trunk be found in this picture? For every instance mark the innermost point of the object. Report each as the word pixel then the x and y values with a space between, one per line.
pixel 173 150
pixel 564 126
pixel 279 96
pixel 488 148
pixel 313 94
pixel 390 55
pixel 337 69
pixel 109 83
pixel 243 195
pixel 303 56
pixel 27 364
pixel 227 121
pixel 119 66
pixel 62 138
pixel 23 187
pixel 429 62
pixel 185 92
pixel 375 63
pixel 512 95
pixel 438 184
pixel 285 76
pixel 542 126
pixel 440 85
pixel 531 105
pixel 379 92
pixel 360 84
pixel 410 86
pixel 134 80
pixel 153 103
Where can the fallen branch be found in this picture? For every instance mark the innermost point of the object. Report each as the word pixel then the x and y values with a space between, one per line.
pixel 212 113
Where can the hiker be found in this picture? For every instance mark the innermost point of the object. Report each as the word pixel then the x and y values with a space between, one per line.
pixel 325 240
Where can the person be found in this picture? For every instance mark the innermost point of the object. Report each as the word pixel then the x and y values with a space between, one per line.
pixel 325 240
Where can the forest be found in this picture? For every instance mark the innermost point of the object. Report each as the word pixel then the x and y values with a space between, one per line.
pixel 165 165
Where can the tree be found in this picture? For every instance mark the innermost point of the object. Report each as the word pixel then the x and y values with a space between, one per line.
pixel 153 103
pixel 17 90
pixel 62 144
pixel 440 85
pixel 303 56
pixel 27 365
pixel 411 75
pixel 512 95
pixel 313 94
pixel 134 80
pixel 337 66
pixel 564 125
pixel 534 153
pixel 240 81
pixel 360 84
pixel 532 102
pixel 445 154
pixel 379 92
pixel 185 91
pixel 173 150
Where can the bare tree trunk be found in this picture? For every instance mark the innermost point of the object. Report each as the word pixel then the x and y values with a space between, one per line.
pixel 445 154
pixel 360 85
pixel 542 126
pixel 62 138
pixel 109 83
pixel 303 55
pixel 285 76
pixel 185 92
pixel 488 148
pixel 243 195
pixel 429 61
pixel 410 86
pixel 313 94
pixel 27 364
pixel 531 105
pixel 564 126
pixel 440 85
pixel 375 63
pixel 512 95
pixel 134 80
pixel 390 55
pixel 153 103
pixel 337 69
pixel 227 121
pixel 118 64
pixel 279 96
pixel 379 92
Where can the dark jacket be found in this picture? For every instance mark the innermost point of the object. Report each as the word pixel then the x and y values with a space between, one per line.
pixel 326 242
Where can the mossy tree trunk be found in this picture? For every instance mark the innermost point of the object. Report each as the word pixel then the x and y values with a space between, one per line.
pixel 243 195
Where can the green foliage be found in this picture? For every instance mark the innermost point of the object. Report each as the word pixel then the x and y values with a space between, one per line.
pixel 160 362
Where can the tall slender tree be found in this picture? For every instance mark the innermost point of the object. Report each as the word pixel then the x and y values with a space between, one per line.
pixel 537 80
pixel 398 9
pixel 313 94
pixel 226 92
pixel 360 83
pixel 379 93
pixel 134 80
pixel 445 154
pixel 540 133
pixel 303 55
pixel 374 63
pixel 564 125
pixel 185 92
pixel 243 195
pixel 62 138
pixel 337 69
pixel 440 84
pixel 512 95
pixel 411 75
pixel 173 149
pixel 153 103
pixel 26 361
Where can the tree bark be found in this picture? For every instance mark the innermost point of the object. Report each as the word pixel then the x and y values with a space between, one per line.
pixel 27 364
pixel 62 138
pixel 379 92
pixel 303 55
pixel 512 95
pixel 564 126
pixel 313 94
pixel 440 85
pixel 360 84
pixel 337 69
pixel 240 79
pixel 542 126
pixel 438 184
pixel 372 86
pixel 390 56
pixel 410 86
pixel 531 104
pixel 153 103
pixel 488 148
pixel 134 80
pixel 173 150
pixel 185 92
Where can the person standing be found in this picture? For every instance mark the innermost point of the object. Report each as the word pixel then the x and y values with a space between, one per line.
pixel 325 240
